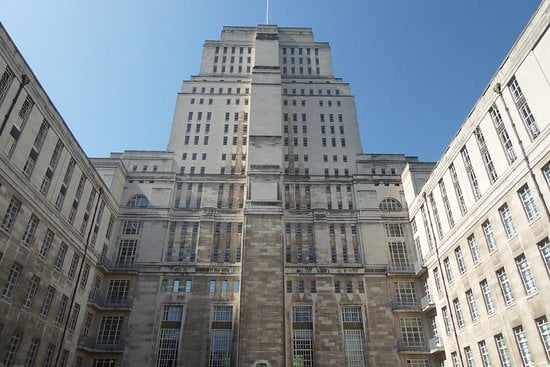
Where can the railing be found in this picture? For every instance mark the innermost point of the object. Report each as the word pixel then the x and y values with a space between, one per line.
pixel 412 269
pixel 117 265
pixel 417 346
pixel 426 302
pixel 90 343
pixel 102 302
pixel 435 344
pixel 405 305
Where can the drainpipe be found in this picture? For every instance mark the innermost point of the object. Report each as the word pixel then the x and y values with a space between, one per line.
pixel 77 281
pixel 447 297
pixel 498 89
pixel 24 81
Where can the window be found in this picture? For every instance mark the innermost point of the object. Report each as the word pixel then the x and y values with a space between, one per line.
pixel 212 286
pixel 456 361
pixel 460 260
pixel 446 203
pixel 390 204
pixel 47 303
pixel 28 236
pixel 505 286
pixel 474 250
pixel 11 214
pixel 138 201
pixel 169 336
pixel 544 332
pixel 470 171
pixel 447 320
pixel 470 362
pixel 523 346
pixel 12 347
pixel 458 313
pixel 448 270
pixel 302 336
pixel 394 230
pixel 117 292
pixel 31 354
pixel 487 297
pixel 60 257
pixel 472 306
pixel 437 279
pixel 110 327
pixel 11 282
pixel 484 352
pixel 523 108
pixel 354 336
pixel 74 317
pixel 544 248
pixel 31 292
pixel 61 310
pixel 405 293
pixel 72 268
pixel 458 190
pixel 5 82
pixel 412 332
pixel 489 236
pixel 502 351
pixel 221 336
pixel 528 202
pixel 526 275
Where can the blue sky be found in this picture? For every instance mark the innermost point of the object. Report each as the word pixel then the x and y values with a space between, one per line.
pixel 416 68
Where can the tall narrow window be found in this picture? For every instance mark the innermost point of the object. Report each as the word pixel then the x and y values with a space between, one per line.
pixel 544 332
pixel 524 109
pixel 484 352
pixel 523 346
pixel 12 347
pixel 487 296
pixel 544 249
pixel 502 134
pixel 354 336
pixel 489 236
pixel 302 336
pixel 448 270
pixel 502 351
pixel 507 221
pixel 528 202
pixel 486 157
pixel 458 190
pixel 470 362
pixel 11 283
pixel 446 203
pixel 221 332
pixel 169 336
pixel 471 173
pixel 474 250
pixel 460 260
pixel 505 286
pixel 458 313
pixel 526 275
pixel 11 214
pixel 472 306
pixel 31 292
pixel 447 320
pixel 436 216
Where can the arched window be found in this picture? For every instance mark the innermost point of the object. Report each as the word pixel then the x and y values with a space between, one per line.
pixel 138 201
pixel 390 204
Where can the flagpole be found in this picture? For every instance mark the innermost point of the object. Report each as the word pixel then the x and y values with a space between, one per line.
pixel 267 12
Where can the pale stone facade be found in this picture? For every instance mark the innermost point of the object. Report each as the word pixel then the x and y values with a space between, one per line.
pixel 263 236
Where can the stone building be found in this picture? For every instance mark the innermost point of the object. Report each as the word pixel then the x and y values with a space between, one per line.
pixel 263 235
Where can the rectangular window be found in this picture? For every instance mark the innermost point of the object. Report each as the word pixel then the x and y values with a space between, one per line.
pixel 470 361
pixel 302 336
pixel 74 317
pixel 11 282
pixel 524 109
pixel 354 336
pixel 471 173
pixel 507 221
pixel 437 279
pixel 31 292
pixel 412 332
pixel 544 332
pixel 489 236
pixel 526 276
pixel 487 297
pixel 447 320
pixel 12 348
pixel 61 310
pixel 60 257
pixel 474 250
pixel 472 306
pixel 502 351
pixel 458 190
pixel 528 202
pixel 11 214
pixel 505 286
pixel 458 312
pixel 169 336
pixel 460 260
pixel 448 270
pixel 72 268
pixel 110 327
pixel 47 303
pixel 544 249
pixel 523 346
pixel 484 352
pixel 221 336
